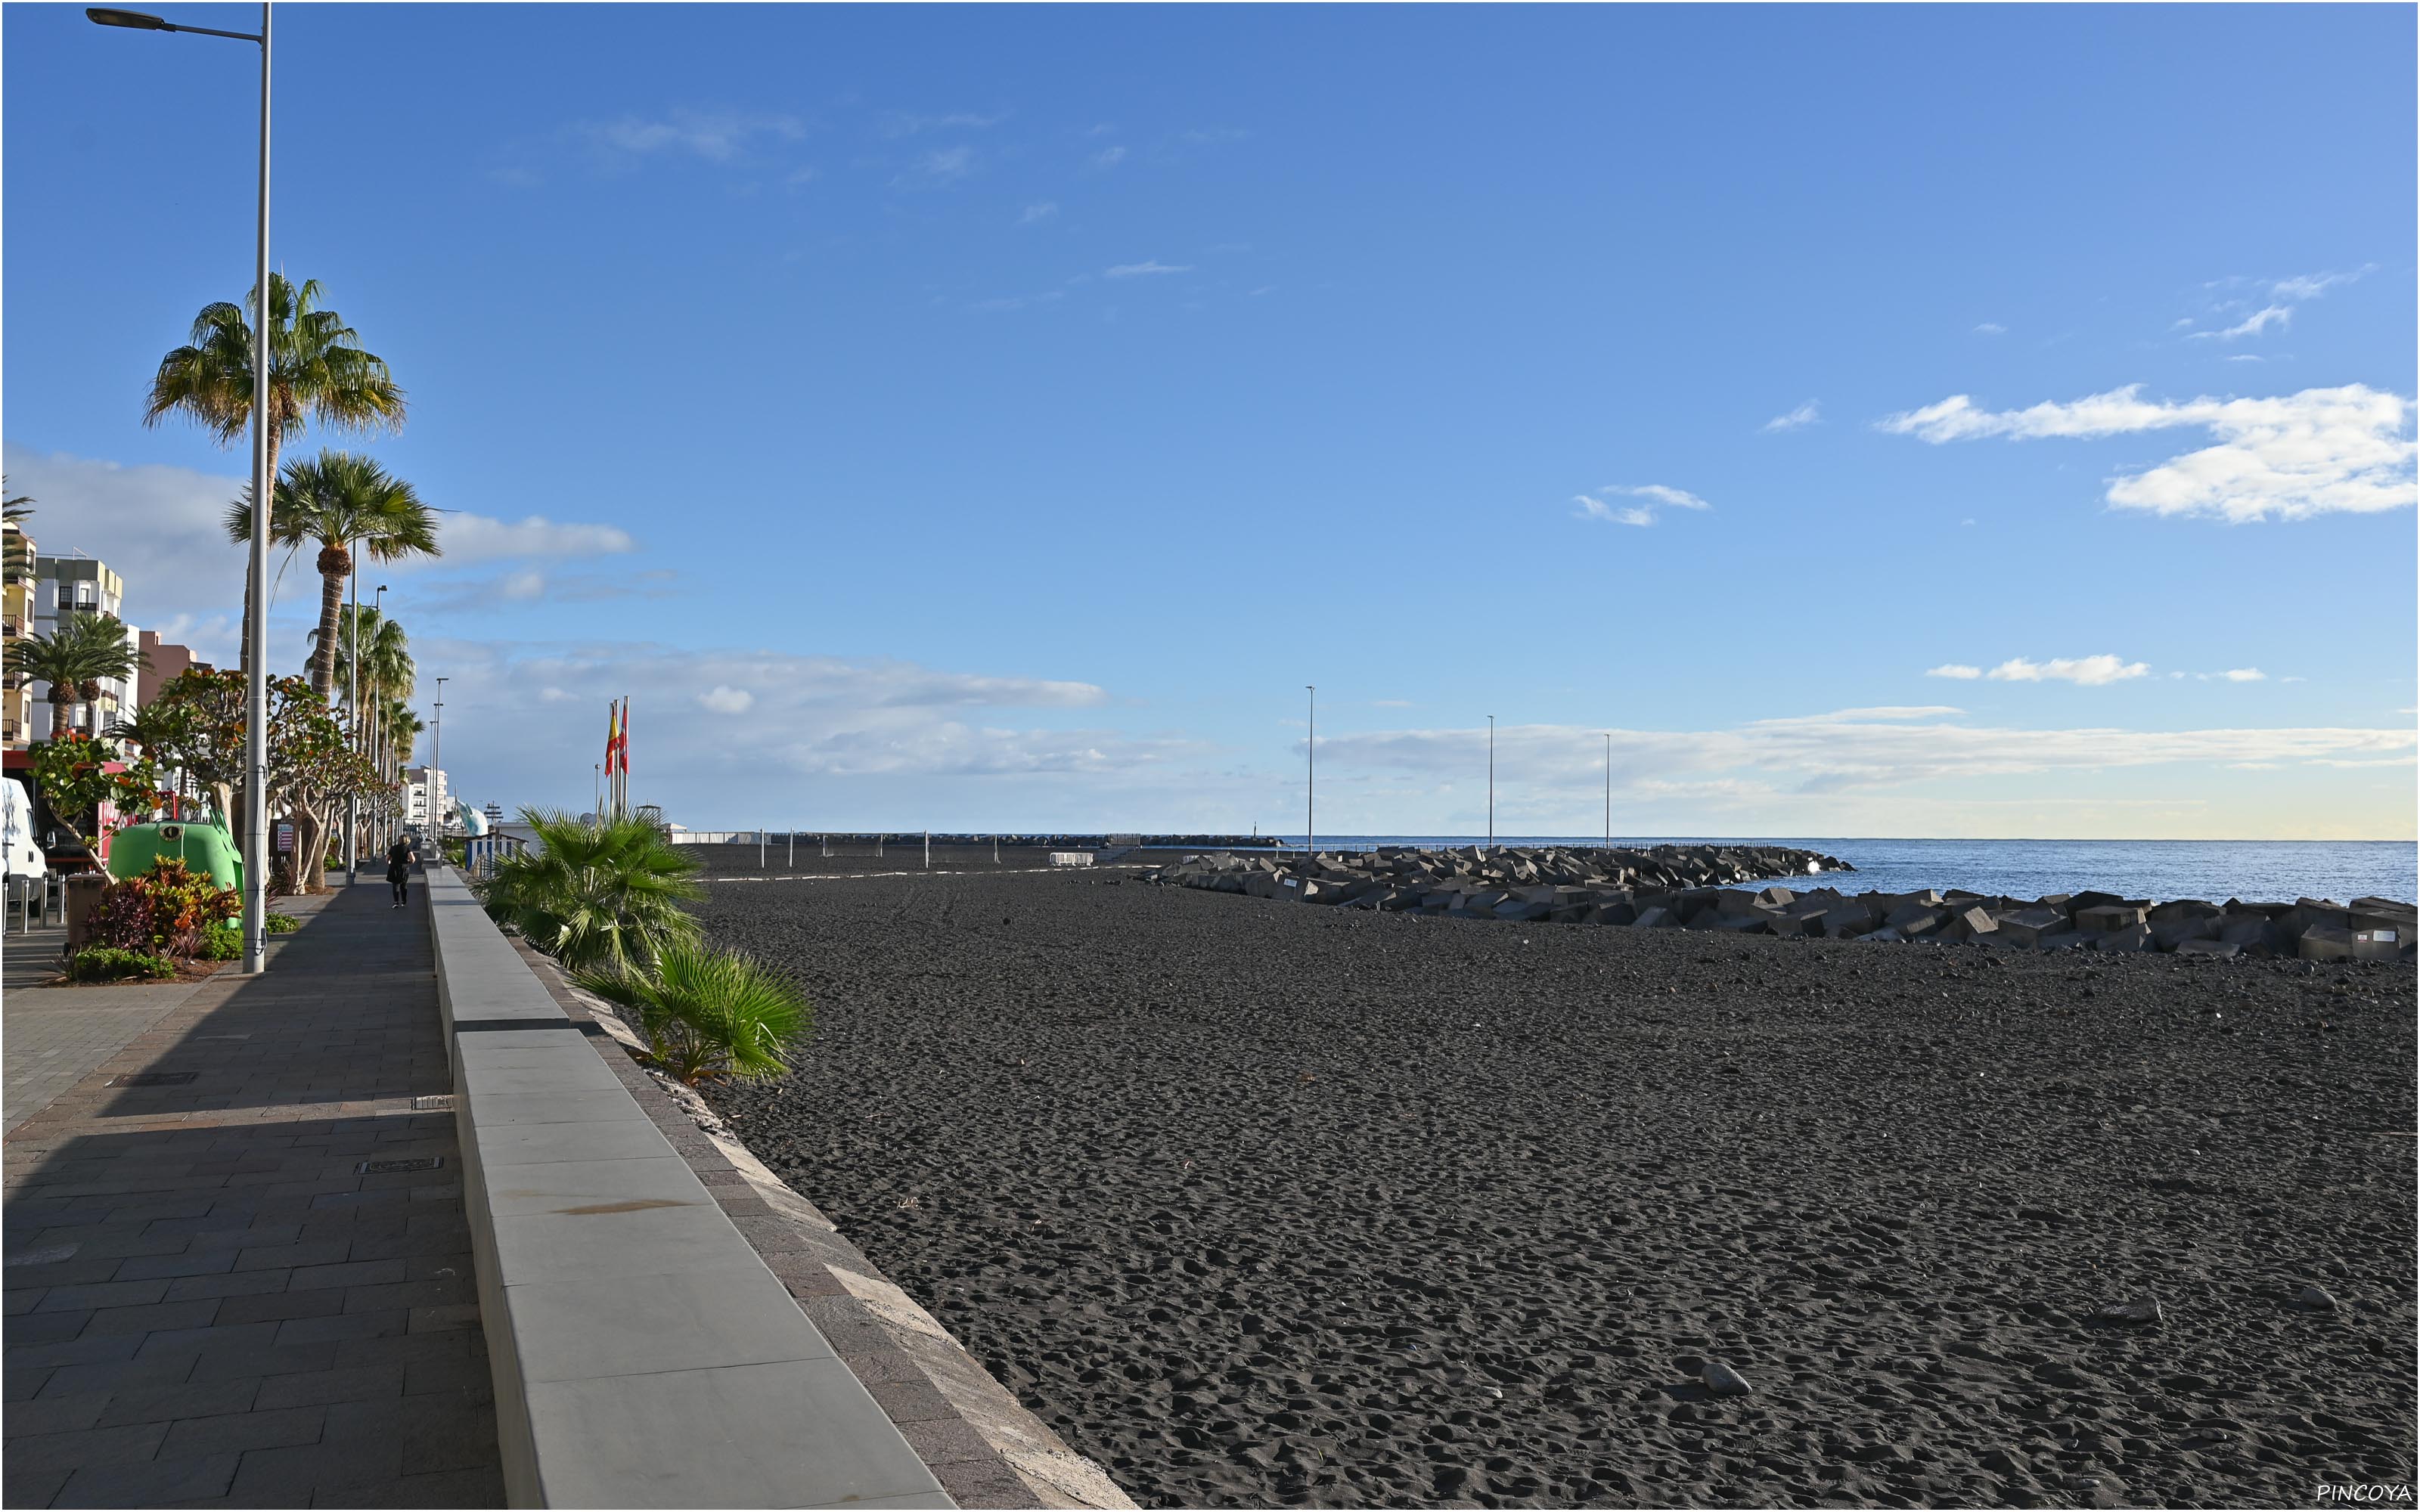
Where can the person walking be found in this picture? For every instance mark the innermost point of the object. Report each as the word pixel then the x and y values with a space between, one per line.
pixel 398 870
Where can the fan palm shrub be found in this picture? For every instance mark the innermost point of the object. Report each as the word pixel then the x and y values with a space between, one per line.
pixel 604 896
pixel 708 1012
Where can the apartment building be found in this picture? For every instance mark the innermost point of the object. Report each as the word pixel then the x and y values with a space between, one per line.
pixel 65 587
pixel 17 623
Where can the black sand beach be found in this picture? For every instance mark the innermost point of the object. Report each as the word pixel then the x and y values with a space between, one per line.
pixel 1266 1204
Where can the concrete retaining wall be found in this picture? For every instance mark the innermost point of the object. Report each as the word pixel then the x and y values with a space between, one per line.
pixel 644 1355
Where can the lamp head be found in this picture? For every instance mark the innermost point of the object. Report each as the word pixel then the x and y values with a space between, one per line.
pixel 130 20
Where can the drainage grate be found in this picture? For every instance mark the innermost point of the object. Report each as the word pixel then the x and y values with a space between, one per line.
pixel 389 1167
pixel 442 1103
pixel 153 1078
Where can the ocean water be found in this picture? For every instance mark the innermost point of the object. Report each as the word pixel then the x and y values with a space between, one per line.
pixel 2213 869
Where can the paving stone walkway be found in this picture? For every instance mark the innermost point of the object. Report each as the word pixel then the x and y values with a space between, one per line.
pixel 208 1301
pixel 57 1035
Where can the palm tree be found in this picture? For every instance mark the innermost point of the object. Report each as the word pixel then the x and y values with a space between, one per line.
pixel 605 896
pixel 386 653
pixel 316 367
pixel 708 1012
pixel 341 501
pixel 75 660
pixel 13 513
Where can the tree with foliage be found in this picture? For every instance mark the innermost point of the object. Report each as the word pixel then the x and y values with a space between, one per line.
pixel 340 500
pixel 317 369
pixel 605 895
pixel 708 1012
pixel 75 773
pixel 196 723
pixel 75 660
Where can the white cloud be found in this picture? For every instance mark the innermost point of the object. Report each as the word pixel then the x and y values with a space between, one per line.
pixel 2252 325
pixel 2321 451
pixel 942 166
pixel 2085 671
pixel 899 123
pixel 1390 703
pixel 1805 414
pixel 2311 285
pixel 1991 328
pixel 1146 270
pixel 803 176
pixel 1656 493
pixel 1108 157
pixel 1041 209
pixel 715 137
pixel 1774 763
pixel 2245 674
pixel 473 538
pixel 1963 673
pixel 724 698
pixel 1017 301
pixel 160 529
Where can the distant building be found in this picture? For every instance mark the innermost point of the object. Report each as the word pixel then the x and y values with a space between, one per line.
pixel 65 587
pixel 165 663
pixel 17 623
pixel 425 798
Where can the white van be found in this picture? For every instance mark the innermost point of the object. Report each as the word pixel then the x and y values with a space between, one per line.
pixel 24 856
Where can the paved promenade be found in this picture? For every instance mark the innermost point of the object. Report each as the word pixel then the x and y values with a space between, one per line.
pixel 209 1302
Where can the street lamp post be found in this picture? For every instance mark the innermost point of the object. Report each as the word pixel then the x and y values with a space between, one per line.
pixel 353 711
pixel 1310 775
pixel 1608 790
pixel 256 690
pixel 1490 784
pixel 374 743
pixel 437 768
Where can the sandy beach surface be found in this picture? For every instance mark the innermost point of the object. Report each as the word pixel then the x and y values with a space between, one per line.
pixel 1266 1204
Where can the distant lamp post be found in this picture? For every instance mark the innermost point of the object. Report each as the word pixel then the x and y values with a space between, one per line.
pixel 256 690
pixel 1490 784
pixel 1311 775
pixel 436 783
pixel 1608 790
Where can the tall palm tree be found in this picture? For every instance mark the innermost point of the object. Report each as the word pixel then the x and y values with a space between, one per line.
pixel 317 368
pixel 75 660
pixel 386 663
pixel 341 501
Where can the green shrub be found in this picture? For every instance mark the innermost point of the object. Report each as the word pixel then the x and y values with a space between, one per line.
pixel 283 923
pixel 108 963
pixel 223 945
pixel 168 910
pixel 604 896
pixel 708 1012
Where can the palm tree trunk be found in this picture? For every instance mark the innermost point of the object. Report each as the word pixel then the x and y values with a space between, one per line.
pixel 332 609
pixel 252 589
pixel 61 722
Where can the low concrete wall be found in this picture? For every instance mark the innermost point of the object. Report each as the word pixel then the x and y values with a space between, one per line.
pixel 644 1355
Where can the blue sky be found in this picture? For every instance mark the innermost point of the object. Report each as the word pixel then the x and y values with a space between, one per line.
pixel 992 418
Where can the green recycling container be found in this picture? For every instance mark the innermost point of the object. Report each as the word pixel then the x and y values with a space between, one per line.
pixel 207 849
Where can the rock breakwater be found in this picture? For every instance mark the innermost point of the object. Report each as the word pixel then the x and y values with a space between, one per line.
pixel 1687 887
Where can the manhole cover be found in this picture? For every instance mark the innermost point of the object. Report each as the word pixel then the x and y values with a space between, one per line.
pixel 388 1167
pixel 153 1078
pixel 442 1103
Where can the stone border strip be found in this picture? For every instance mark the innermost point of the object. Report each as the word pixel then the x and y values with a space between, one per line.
pixel 983 1445
pixel 642 1354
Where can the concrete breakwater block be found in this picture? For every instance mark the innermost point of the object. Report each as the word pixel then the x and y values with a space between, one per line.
pixel 1702 887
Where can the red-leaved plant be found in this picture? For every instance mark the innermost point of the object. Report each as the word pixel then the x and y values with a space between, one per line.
pixel 168 910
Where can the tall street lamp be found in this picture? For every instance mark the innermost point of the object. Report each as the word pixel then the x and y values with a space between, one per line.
pixel 256 690
pixel 1490 784
pixel 437 768
pixel 1608 790
pixel 1311 775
